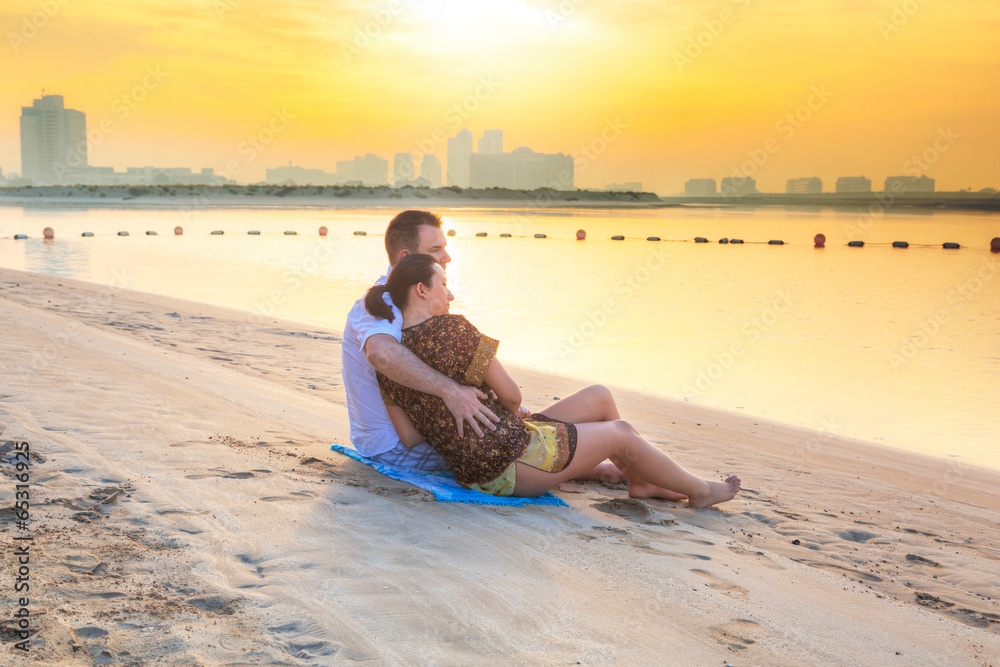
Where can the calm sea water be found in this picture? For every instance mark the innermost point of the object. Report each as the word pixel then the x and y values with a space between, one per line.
pixel 900 347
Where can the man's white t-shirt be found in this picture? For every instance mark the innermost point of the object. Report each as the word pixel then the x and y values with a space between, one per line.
pixel 372 431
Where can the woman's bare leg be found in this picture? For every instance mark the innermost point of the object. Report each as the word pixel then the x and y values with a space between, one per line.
pixel 598 441
pixel 596 404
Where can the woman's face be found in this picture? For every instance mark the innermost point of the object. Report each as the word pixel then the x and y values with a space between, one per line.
pixel 437 293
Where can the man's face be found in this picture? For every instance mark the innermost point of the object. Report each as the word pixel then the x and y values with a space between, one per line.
pixel 433 242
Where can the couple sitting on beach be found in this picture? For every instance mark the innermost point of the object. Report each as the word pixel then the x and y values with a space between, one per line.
pixel 415 375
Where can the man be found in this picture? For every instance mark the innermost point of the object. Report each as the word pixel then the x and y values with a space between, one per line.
pixel 371 342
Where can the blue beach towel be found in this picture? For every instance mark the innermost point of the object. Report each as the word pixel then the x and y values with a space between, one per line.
pixel 443 485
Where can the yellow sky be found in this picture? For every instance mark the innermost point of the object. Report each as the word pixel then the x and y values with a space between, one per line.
pixel 776 90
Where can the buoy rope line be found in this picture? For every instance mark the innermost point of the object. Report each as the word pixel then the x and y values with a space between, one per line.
pixel 656 239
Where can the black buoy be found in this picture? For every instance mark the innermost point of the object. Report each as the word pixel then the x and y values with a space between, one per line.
pixel 700 239
pixel 481 234
pixel 900 244
pixel 122 233
pixel 736 241
pixel 218 232
pixel 775 242
pixel 150 233
pixel 950 246
pixel 253 232
pixel 618 238
pixel 723 240
pixel 291 233
pixel 505 235
pixel 20 237
pixel 652 238
pixel 856 244
pixel 88 234
pixel 540 236
pixel 361 233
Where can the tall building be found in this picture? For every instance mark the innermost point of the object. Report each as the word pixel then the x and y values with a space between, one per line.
pixel 53 139
pixel 909 184
pixel 402 169
pixel 491 143
pixel 371 170
pixel 430 169
pixel 804 186
pixel 737 186
pixel 854 184
pixel 521 169
pixel 700 187
pixel 459 150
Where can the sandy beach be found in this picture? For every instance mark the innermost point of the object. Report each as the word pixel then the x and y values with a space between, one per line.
pixel 186 509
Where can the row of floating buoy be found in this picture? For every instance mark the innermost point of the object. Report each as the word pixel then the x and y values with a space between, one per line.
pixel 819 241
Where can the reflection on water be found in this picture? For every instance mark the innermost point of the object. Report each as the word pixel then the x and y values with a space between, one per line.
pixel 897 346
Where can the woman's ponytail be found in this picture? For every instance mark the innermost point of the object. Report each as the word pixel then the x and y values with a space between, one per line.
pixel 376 305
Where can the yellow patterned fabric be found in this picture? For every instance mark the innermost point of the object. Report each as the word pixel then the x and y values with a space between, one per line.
pixel 550 448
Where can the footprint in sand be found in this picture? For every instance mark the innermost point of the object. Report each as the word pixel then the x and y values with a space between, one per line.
pixel 634 510
pixel 214 604
pixel 717 584
pixel 735 635
pixel 295 495
pixel 859 536
pixel 847 571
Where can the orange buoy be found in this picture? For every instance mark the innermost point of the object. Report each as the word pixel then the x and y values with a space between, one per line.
pixel 819 241
pixel 48 233
pixel 178 231
pixel 581 235
pixel 995 244
pixel 451 232
pixel 322 231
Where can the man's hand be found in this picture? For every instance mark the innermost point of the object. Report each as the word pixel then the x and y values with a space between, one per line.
pixel 464 403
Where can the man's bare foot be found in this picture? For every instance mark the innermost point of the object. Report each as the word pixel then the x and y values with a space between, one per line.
pixel 640 489
pixel 718 492
pixel 607 473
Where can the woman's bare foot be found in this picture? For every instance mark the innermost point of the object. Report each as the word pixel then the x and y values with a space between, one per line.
pixel 718 492
pixel 640 489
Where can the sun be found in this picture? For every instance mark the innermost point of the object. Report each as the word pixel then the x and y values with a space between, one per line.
pixel 483 23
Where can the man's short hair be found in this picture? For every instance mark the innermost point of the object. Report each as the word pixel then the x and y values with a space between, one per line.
pixel 403 232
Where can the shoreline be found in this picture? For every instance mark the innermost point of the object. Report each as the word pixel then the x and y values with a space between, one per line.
pixel 189 509
pixel 265 196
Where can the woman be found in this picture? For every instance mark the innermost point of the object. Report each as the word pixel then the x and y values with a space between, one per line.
pixel 526 455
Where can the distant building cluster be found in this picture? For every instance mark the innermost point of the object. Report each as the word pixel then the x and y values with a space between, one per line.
pixel 489 167
pixel 900 184
pixel 737 187
pixel 731 186
pixel 804 186
pixel 854 184
pixel 54 151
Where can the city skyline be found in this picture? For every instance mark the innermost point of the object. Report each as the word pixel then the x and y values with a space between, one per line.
pixel 635 92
